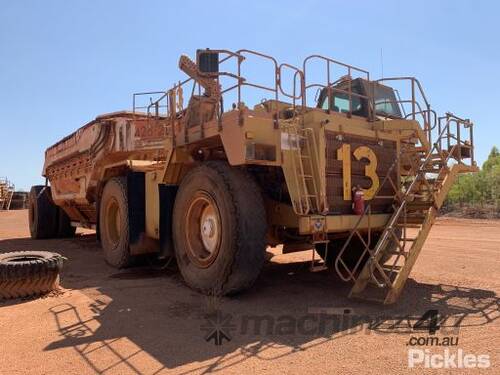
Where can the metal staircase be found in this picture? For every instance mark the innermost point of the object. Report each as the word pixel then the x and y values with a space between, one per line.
pixel 306 194
pixel 8 201
pixel 6 194
pixel 426 179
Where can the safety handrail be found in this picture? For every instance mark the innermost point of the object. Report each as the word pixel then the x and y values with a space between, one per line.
pixel 416 88
pixel 449 119
pixel 329 82
pixel 170 102
pixel 174 104
pixel 443 134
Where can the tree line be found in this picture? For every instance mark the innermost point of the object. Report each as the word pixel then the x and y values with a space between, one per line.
pixel 479 189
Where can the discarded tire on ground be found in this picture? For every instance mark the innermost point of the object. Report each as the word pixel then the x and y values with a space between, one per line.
pixel 28 273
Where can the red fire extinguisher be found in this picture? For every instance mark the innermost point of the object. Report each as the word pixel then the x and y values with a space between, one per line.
pixel 358 201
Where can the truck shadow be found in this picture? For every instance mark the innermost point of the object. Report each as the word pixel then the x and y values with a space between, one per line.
pixel 144 320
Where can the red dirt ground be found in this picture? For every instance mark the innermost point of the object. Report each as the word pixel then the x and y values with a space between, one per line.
pixel 145 321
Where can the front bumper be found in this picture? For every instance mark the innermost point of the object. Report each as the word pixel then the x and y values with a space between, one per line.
pixel 340 223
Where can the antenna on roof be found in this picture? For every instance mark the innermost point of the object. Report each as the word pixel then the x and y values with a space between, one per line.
pixel 382 62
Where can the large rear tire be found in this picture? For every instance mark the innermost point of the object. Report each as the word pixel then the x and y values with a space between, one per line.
pixel 43 213
pixel 114 223
pixel 219 229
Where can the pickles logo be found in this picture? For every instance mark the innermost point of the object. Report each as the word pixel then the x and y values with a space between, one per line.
pixel 449 359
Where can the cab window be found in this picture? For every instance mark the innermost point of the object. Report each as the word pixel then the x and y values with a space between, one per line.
pixel 340 102
pixel 386 102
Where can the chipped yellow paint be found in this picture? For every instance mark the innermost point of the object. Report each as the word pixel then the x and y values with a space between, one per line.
pixel 344 154
pixel 364 152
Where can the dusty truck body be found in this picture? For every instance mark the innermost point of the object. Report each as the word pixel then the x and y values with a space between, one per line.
pixel 355 173
pixel 108 146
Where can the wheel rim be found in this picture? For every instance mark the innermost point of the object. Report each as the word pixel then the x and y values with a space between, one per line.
pixel 203 230
pixel 113 221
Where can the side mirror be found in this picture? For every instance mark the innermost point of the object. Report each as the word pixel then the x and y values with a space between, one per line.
pixel 207 61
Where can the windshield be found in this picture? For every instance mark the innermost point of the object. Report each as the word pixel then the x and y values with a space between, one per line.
pixel 385 100
pixel 340 101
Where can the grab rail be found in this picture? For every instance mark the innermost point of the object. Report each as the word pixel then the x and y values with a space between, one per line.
pixel 329 82
pixel 170 102
pixel 429 116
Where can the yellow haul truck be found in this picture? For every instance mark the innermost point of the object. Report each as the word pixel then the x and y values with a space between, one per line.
pixel 329 161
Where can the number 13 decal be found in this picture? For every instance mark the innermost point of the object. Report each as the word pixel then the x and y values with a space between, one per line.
pixel 362 152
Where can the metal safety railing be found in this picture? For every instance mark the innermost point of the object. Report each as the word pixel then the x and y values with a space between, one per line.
pixel 6 193
pixel 152 108
pixel 456 146
pixel 418 109
pixel 168 104
pixel 336 79
pixel 329 82
pixel 404 195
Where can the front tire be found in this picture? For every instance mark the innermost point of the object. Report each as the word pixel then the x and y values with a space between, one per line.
pixel 114 223
pixel 219 229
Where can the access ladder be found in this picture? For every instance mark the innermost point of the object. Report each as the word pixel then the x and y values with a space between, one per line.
pixel 384 266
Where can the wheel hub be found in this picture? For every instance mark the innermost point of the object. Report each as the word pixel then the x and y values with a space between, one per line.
pixel 203 232
pixel 209 230
pixel 113 218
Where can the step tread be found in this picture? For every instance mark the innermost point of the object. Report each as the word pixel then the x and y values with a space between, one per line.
pixel 318 268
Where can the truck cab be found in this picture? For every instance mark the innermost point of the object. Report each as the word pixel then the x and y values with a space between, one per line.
pixel 357 95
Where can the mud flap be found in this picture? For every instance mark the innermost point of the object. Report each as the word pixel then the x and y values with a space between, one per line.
pixel 167 198
pixel 136 206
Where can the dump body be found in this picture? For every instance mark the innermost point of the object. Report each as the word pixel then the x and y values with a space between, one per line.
pixel 77 165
